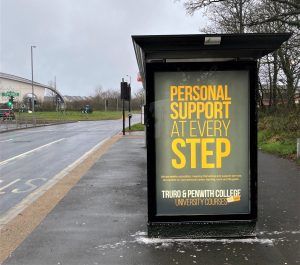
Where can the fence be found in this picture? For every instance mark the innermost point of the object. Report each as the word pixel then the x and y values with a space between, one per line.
pixel 25 122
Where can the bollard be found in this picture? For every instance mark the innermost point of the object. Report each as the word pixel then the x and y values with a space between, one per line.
pixel 298 147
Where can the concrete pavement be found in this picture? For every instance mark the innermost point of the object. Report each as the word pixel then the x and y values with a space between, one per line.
pixel 102 220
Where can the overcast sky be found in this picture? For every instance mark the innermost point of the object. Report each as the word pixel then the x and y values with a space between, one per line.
pixel 84 43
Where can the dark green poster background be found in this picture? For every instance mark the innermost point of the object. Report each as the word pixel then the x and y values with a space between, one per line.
pixel 202 142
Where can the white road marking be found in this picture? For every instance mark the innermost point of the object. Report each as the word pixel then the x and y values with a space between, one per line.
pixel 14 211
pixel 9 184
pixel 31 185
pixel 29 152
pixel 6 140
pixel 29 131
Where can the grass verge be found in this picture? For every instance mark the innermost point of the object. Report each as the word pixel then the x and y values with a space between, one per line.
pixel 135 127
pixel 71 116
pixel 278 133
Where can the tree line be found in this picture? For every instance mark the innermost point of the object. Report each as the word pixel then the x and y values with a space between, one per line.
pixel 102 100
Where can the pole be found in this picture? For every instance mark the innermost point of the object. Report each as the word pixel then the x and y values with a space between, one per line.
pixel 129 105
pixel 123 116
pixel 32 89
pixel 142 112
pixel 123 107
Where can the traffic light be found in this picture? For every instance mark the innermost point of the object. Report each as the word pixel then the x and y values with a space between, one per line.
pixel 125 91
pixel 10 102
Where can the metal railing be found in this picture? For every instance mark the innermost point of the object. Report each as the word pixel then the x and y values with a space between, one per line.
pixel 20 122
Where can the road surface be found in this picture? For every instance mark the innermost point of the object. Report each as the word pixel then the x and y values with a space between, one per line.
pixel 30 158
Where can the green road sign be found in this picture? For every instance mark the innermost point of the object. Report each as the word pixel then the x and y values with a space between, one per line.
pixel 10 93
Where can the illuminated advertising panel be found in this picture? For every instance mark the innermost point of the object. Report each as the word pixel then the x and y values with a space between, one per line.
pixel 202 152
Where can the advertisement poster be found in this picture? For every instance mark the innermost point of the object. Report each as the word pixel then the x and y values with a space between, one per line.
pixel 202 142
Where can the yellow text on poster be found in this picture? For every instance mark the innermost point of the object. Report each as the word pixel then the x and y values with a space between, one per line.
pixel 201 123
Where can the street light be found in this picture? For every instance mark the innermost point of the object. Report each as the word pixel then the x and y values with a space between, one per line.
pixel 129 79
pixel 32 90
pixel 129 107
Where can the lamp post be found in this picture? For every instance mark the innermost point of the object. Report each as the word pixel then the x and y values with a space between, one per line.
pixel 129 107
pixel 32 90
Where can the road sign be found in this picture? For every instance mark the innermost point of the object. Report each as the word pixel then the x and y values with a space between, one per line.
pixel 10 93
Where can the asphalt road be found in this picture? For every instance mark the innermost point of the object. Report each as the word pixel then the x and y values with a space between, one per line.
pixel 30 158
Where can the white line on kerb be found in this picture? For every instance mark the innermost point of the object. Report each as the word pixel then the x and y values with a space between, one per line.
pixel 14 211
pixel 28 152
pixel 6 140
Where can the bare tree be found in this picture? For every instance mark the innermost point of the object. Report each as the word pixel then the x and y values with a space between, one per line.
pixel 138 99
pixel 287 12
pixel 286 61
pixel 97 98
pixel 279 72
pixel 106 99
pixel 228 16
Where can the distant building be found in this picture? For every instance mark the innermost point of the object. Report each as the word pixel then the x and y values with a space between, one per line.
pixel 76 98
pixel 68 98
pixel 21 89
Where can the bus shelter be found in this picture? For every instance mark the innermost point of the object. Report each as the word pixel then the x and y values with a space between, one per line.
pixel 201 125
